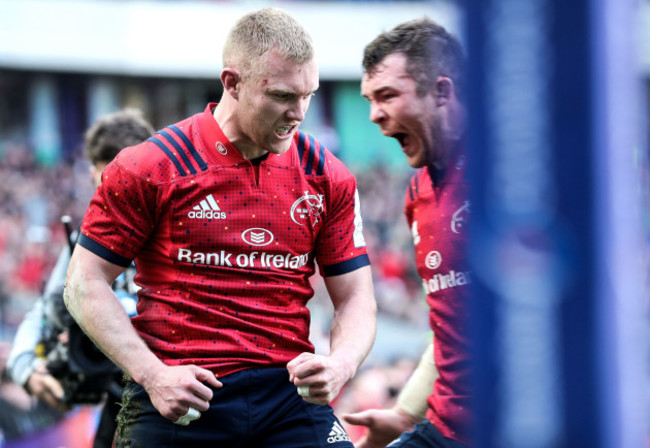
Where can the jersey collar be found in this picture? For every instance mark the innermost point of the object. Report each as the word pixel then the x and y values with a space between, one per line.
pixel 452 173
pixel 223 152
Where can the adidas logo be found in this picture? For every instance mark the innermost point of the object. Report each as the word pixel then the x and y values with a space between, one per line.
pixel 208 209
pixel 337 434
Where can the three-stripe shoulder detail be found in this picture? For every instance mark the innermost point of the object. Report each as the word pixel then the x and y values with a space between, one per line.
pixel 414 185
pixel 311 153
pixel 173 149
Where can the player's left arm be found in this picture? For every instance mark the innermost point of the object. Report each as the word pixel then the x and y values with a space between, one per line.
pixel 351 337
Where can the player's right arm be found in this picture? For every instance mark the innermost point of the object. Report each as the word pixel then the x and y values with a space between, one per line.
pixel 92 303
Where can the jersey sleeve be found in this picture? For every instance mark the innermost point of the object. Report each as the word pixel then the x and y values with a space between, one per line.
pixel 121 215
pixel 341 247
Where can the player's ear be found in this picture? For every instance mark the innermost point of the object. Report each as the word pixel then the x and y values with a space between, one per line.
pixel 443 90
pixel 230 79
pixel 95 175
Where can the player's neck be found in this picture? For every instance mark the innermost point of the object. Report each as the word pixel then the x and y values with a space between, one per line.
pixel 447 154
pixel 227 120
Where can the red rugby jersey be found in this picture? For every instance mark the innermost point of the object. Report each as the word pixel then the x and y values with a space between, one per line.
pixel 223 259
pixel 438 218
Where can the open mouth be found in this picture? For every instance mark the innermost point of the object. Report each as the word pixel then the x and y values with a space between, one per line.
pixel 283 130
pixel 402 138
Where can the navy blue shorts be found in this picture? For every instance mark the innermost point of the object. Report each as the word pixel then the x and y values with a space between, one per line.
pixel 254 408
pixel 425 435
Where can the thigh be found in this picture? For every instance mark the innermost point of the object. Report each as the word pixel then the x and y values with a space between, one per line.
pixel 314 426
pixel 139 424
pixel 282 419
pixel 138 418
pixel 425 435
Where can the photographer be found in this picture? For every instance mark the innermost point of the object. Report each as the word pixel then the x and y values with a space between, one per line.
pixel 51 357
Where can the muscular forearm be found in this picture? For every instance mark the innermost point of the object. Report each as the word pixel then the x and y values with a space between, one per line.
pixel 353 333
pixel 98 312
pixel 354 324
pixel 320 378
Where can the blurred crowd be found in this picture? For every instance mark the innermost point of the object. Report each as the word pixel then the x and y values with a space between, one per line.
pixel 34 198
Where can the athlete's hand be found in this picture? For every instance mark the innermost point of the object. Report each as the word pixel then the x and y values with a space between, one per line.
pixel 43 385
pixel 322 376
pixel 174 389
pixel 384 426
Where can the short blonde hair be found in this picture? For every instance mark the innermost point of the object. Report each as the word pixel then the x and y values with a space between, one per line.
pixel 261 31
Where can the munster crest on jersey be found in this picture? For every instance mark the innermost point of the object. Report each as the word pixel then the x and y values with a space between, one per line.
pixel 307 209
pixel 459 218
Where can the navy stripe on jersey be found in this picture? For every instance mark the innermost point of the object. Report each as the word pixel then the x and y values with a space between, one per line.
pixel 321 160
pixel 101 251
pixel 301 145
pixel 190 147
pixel 346 266
pixel 414 186
pixel 310 158
pixel 169 154
pixel 309 166
pixel 178 148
